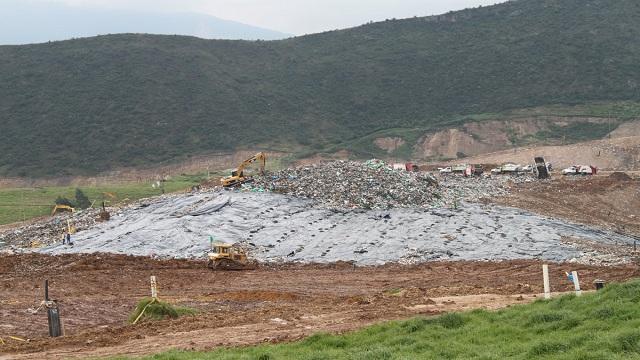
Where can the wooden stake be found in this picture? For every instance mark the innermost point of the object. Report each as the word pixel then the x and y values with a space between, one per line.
pixel 154 288
pixel 576 283
pixel 545 279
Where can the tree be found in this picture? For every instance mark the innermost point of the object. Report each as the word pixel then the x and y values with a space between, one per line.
pixel 64 201
pixel 82 201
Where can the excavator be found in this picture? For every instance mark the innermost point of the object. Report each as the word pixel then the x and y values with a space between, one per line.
pixel 59 207
pixel 237 176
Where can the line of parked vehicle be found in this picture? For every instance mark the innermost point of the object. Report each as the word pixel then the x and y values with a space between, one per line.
pixel 511 168
pixel 475 169
pixel 580 170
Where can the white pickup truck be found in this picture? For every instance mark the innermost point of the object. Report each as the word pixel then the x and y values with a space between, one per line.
pixel 578 170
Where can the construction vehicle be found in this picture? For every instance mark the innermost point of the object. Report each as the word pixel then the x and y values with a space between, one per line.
pixel 238 177
pixel 542 168
pixel 58 207
pixel 228 257
pixel 510 168
pixel 459 168
pixel 104 214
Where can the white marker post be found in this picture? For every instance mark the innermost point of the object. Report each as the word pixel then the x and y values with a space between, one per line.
pixel 576 283
pixel 545 279
pixel 154 288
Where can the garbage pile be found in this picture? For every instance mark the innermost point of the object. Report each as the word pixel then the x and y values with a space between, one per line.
pixel 351 184
pixel 454 189
pixel 46 232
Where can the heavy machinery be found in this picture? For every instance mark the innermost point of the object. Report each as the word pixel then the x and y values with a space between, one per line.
pixel 60 208
pixel 70 228
pixel 238 177
pixel 228 257
pixel 104 214
pixel 542 168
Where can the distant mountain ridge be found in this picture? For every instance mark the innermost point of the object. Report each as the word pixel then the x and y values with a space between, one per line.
pixel 27 23
pixel 89 105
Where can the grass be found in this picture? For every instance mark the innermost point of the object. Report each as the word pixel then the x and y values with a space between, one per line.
pixel 604 325
pixel 18 204
pixel 158 310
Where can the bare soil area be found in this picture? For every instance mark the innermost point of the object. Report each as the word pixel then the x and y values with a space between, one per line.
pixel 617 153
pixel 97 293
pixel 608 201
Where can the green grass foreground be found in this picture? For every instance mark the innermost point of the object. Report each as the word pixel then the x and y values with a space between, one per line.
pixel 604 325
pixel 19 204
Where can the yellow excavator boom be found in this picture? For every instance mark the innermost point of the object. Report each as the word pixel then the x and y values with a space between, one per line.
pixel 237 176
pixel 61 207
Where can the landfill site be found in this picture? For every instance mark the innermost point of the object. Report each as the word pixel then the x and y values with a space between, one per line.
pixel 326 247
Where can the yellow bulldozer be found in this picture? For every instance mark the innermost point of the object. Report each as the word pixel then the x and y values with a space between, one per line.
pixel 238 177
pixel 228 257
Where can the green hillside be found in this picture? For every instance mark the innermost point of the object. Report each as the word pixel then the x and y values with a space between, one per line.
pixel 87 105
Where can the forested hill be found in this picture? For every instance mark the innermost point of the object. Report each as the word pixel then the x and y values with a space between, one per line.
pixel 87 105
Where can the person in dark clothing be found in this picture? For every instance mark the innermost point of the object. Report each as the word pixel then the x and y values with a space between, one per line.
pixel 67 239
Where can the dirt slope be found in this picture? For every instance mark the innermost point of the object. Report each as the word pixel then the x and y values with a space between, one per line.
pixel 610 154
pixel 604 201
pixel 627 129
pixel 476 138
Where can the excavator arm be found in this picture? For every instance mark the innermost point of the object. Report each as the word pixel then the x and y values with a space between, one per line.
pixel 237 176
pixel 257 157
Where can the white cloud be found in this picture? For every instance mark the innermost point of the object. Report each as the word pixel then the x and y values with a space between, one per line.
pixel 293 16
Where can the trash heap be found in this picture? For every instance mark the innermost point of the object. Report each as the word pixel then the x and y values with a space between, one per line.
pixel 454 189
pixel 46 232
pixel 351 184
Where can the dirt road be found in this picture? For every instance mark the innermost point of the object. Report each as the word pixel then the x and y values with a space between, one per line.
pixel 98 292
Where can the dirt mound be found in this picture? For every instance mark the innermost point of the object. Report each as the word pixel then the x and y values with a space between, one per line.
pixel 599 200
pixel 620 176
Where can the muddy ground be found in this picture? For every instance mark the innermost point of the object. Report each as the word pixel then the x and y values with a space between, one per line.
pixel 98 292
pixel 605 200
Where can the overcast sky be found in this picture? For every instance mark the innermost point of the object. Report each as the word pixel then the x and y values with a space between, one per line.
pixel 296 17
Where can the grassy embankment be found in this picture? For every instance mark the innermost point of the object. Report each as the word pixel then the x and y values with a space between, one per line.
pixel 605 325
pixel 19 204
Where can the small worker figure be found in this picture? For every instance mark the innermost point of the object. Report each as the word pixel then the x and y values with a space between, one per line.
pixel 67 239
pixel 570 277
